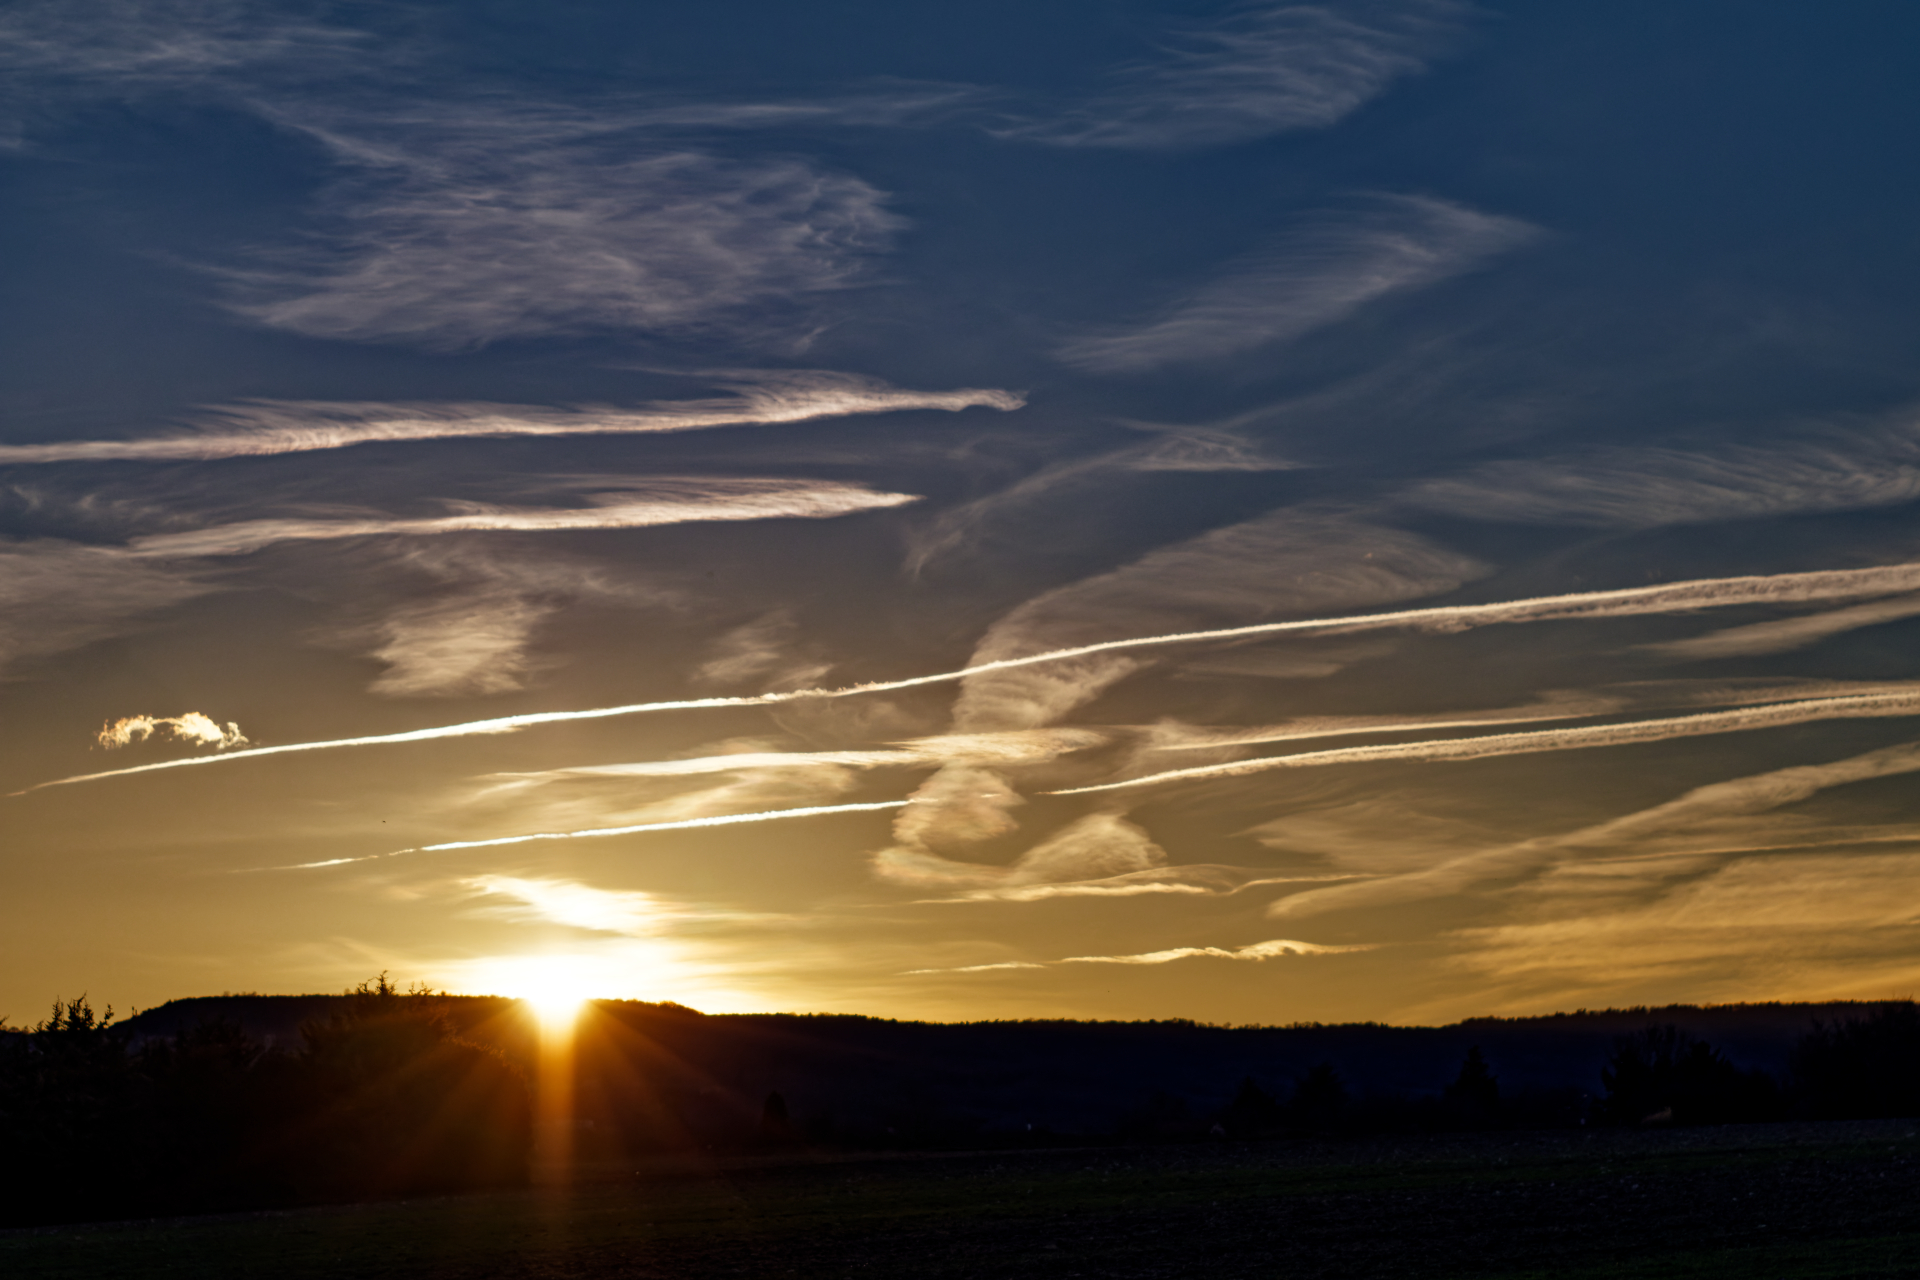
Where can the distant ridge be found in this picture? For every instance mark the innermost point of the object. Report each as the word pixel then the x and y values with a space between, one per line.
pixel 1073 1074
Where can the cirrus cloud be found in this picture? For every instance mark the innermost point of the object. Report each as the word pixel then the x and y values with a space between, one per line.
pixel 1258 70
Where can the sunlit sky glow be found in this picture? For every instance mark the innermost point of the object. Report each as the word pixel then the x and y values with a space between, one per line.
pixel 1392 509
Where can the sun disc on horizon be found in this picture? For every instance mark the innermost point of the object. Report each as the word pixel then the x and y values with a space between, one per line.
pixel 554 987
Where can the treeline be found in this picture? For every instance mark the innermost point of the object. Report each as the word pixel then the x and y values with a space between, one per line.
pixel 382 1093
pixel 1857 1068
pixel 379 1098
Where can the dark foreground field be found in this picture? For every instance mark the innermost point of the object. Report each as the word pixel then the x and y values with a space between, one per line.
pixel 1826 1200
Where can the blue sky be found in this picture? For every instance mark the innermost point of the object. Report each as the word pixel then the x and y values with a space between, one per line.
pixel 1377 510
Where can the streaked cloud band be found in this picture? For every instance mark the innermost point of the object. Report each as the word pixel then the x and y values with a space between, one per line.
pixel 1785 588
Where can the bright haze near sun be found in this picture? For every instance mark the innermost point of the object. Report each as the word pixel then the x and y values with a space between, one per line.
pixel 1251 512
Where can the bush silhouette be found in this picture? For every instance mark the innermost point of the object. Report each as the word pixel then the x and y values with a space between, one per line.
pixel 392 1102
pixel 380 1099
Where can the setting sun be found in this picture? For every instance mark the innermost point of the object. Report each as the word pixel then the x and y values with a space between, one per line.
pixel 553 986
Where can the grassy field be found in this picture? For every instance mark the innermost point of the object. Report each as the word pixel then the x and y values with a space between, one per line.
pixel 1839 1200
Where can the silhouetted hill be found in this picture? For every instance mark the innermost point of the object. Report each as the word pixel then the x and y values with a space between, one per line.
pixel 659 1075
pixel 275 1021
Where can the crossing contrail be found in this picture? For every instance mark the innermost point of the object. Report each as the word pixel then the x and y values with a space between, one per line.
pixel 1704 593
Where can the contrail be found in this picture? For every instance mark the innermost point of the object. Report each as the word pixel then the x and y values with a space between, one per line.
pixel 1534 713
pixel 1775 715
pixel 723 820
pixel 1704 593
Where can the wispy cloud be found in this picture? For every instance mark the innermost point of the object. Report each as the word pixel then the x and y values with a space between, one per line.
pixel 194 727
pixel 273 427
pixel 1028 505
pixel 666 502
pixel 1098 855
pixel 468 645
pixel 57 595
pixel 733 762
pixel 1563 707
pixel 468 206
pixel 1484 746
pixel 553 900
pixel 1706 593
pixel 1008 520
pixel 1095 847
pixel 1320 272
pixel 1201 448
pixel 1831 469
pixel 1260 70
pixel 1289 561
pixel 683 824
pixel 1827 925
pixel 1269 950
pixel 1787 634
pixel 468 614
pixel 987 748
pixel 104 46
pixel 900 103
pixel 1740 796
pixel 764 652
pixel 964 801
pixel 1253 951
pixel 1185 880
pixel 463 224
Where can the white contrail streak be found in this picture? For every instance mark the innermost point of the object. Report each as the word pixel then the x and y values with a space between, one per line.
pixel 1308 727
pixel 1779 714
pixel 1295 733
pixel 1705 593
pixel 685 824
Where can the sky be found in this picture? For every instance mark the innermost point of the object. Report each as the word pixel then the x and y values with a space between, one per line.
pixel 1382 510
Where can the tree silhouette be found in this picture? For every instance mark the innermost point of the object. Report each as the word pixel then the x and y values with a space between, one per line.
pixel 1474 1095
pixel 1664 1074
pixel 1320 1099
pixel 1253 1113
pixel 1861 1067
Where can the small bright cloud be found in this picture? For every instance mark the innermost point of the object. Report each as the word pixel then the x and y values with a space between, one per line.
pixel 194 727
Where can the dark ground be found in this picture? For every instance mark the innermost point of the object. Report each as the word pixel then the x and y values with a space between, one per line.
pixel 1825 1200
